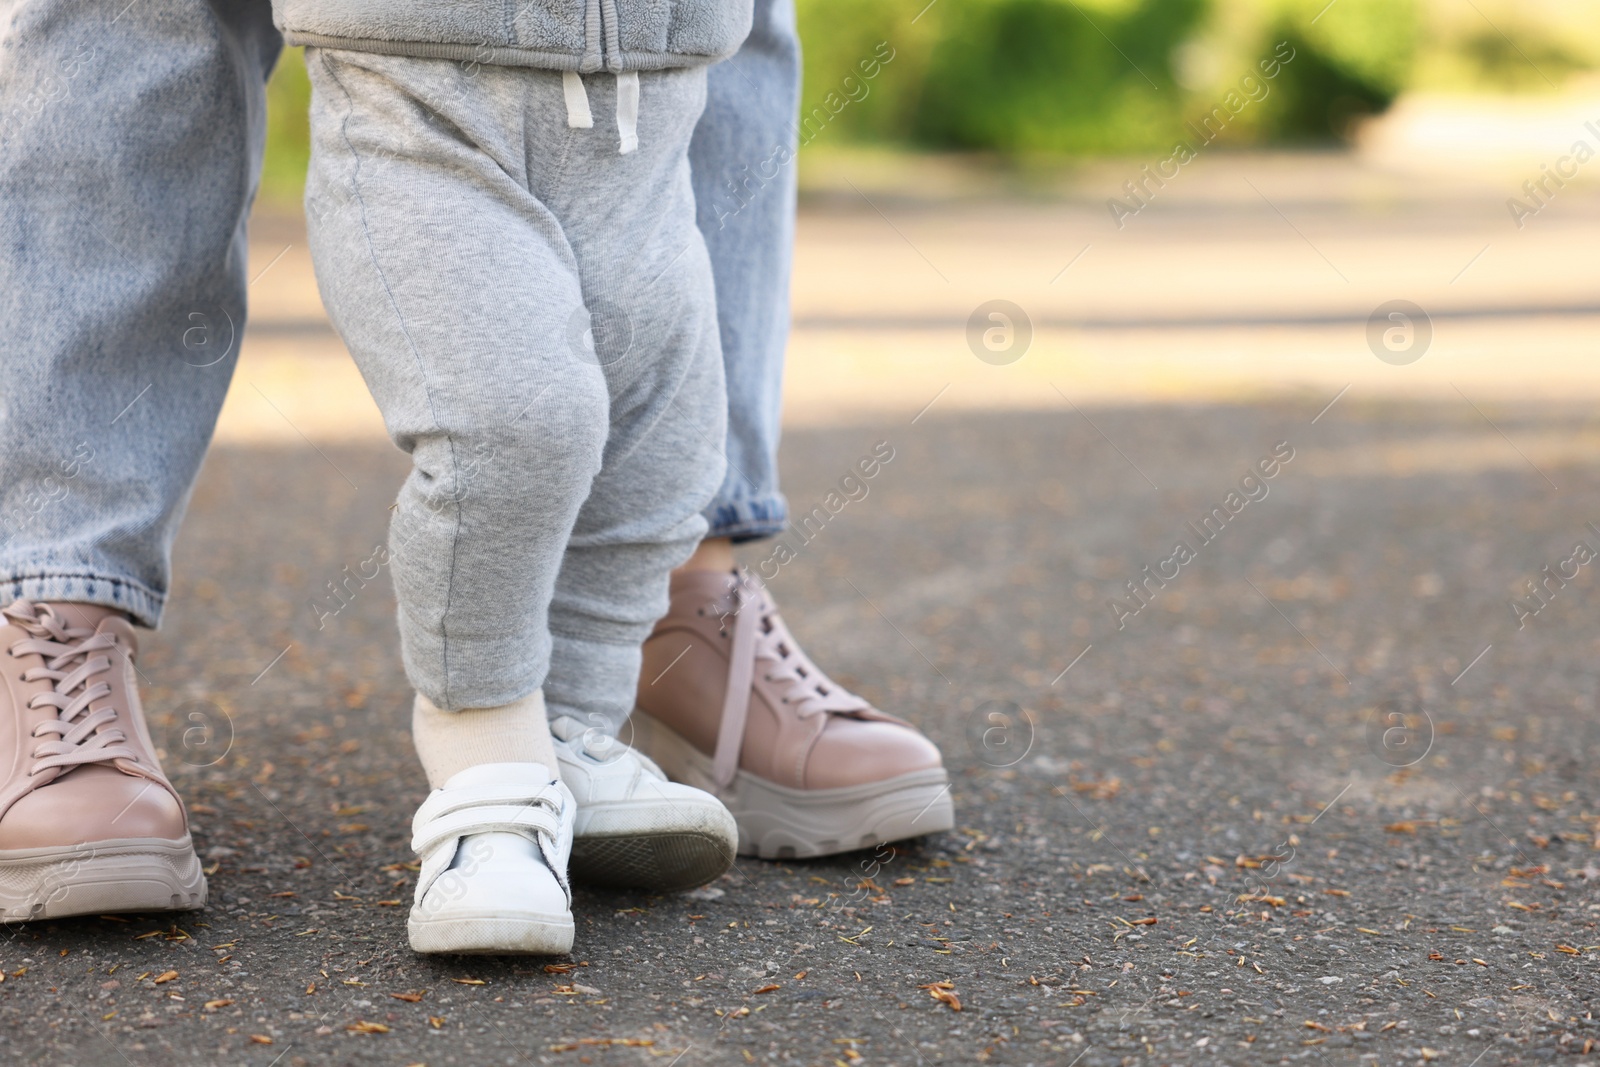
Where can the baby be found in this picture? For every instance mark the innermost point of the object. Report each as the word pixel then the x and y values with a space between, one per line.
pixel 501 219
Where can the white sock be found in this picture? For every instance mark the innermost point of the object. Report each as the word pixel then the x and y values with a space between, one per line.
pixel 451 741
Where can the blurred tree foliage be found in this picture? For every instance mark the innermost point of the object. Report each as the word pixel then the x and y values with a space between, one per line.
pixel 1073 77
pixel 1049 75
pixel 1351 61
pixel 1092 76
pixel 283 172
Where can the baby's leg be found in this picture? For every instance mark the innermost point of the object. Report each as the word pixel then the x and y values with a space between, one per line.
pixel 452 285
pixel 647 282
pixel 447 209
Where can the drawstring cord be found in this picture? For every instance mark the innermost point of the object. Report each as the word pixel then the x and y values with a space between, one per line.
pixel 628 110
pixel 579 117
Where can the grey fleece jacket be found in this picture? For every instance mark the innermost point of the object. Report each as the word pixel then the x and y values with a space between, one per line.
pixel 580 35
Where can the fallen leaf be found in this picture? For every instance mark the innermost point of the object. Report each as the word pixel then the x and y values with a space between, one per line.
pixel 1098 789
pixel 363 1027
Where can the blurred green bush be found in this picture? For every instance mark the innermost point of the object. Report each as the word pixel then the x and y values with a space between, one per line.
pixel 1051 78
pixel 283 171
pixel 1047 75
pixel 1095 76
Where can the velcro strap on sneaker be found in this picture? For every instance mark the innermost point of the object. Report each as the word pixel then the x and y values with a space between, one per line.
pixel 444 801
pixel 530 820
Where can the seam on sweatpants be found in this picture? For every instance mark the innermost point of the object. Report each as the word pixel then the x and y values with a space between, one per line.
pixel 422 374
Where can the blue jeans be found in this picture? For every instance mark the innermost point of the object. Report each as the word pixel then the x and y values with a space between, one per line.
pixel 130 144
pixel 742 157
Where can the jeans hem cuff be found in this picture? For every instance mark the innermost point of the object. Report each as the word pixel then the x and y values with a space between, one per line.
pixel 138 600
pixel 748 520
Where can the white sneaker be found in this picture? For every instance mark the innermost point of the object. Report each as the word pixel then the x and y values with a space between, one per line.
pixel 494 844
pixel 635 829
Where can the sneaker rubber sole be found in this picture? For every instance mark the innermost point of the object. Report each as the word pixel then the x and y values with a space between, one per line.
pixel 778 822
pixel 663 846
pixel 130 874
pixel 479 933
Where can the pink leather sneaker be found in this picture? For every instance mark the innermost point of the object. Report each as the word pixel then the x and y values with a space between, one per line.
pixel 729 703
pixel 88 823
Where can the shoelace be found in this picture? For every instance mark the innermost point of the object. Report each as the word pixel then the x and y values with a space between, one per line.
pixel 74 655
pixel 759 635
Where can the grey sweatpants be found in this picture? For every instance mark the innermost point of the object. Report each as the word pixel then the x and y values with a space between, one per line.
pixel 534 315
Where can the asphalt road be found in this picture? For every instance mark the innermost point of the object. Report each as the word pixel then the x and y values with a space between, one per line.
pixel 1320 801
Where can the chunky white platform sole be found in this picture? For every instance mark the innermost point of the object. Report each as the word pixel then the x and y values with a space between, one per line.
pixel 777 822
pixel 128 874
